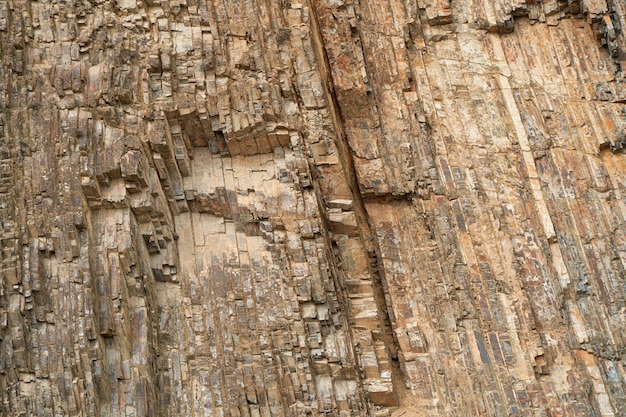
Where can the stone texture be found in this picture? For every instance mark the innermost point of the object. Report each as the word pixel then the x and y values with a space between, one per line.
pixel 324 207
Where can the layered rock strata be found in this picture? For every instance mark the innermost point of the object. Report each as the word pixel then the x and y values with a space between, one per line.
pixel 320 207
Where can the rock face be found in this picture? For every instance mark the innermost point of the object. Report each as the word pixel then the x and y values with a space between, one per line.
pixel 312 207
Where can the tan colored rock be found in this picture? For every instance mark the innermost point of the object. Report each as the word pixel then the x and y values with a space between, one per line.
pixel 321 207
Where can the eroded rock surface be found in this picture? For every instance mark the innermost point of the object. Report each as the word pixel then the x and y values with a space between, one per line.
pixel 322 207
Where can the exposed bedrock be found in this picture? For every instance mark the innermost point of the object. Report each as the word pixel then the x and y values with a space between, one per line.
pixel 267 208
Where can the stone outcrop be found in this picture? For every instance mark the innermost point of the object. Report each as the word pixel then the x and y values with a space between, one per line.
pixel 321 207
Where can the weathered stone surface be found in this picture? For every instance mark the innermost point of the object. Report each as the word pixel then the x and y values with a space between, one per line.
pixel 321 207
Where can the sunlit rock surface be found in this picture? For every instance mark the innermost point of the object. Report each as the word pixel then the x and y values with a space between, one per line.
pixel 260 208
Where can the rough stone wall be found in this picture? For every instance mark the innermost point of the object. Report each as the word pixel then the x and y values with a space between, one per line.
pixel 322 207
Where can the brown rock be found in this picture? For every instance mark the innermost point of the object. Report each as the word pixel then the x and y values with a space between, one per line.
pixel 289 208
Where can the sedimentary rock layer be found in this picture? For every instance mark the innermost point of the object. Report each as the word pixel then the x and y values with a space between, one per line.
pixel 320 207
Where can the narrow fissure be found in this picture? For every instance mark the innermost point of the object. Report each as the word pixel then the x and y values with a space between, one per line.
pixel 367 238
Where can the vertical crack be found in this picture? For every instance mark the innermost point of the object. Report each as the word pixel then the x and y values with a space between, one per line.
pixel 368 240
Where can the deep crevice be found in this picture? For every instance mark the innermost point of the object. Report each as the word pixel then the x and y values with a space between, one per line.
pixel 367 238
